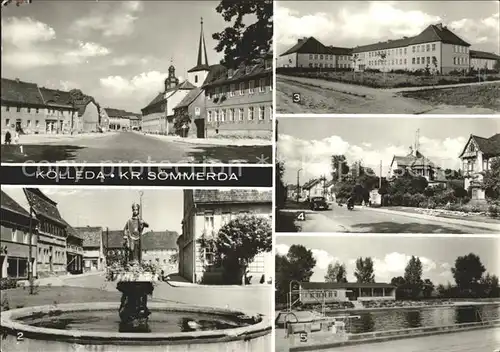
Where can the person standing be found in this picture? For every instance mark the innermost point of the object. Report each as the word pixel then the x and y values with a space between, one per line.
pixel 8 137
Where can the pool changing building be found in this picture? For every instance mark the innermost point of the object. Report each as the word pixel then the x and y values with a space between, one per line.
pixel 329 292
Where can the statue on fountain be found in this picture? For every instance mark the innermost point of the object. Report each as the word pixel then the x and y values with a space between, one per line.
pixel 133 309
pixel 132 235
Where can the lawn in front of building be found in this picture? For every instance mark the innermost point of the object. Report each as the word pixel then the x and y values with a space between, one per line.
pixel 485 96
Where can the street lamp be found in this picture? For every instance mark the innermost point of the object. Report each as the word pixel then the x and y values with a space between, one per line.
pixel 298 184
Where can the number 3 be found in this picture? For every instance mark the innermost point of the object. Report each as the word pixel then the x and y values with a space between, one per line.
pixel 296 97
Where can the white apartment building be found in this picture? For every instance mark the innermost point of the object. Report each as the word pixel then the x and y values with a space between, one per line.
pixel 436 48
pixel 483 60
pixel 309 52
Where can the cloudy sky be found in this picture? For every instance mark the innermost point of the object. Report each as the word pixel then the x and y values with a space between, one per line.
pixel 118 52
pixel 108 207
pixel 352 23
pixel 391 254
pixel 309 143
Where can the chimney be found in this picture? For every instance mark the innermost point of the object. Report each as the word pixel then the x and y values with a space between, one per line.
pixel 17 80
pixel 439 26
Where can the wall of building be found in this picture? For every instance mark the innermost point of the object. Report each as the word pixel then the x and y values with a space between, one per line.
pixel 328 296
pixel 197 111
pixel 175 99
pixel 316 60
pixel 90 118
pixel 119 123
pixel 48 246
pixel 154 123
pixel 208 220
pixel 161 257
pixel 478 63
pixel 454 57
pixel 289 60
pixel 43 121
pixel 197 78
pixel 16 240
pixel 232 116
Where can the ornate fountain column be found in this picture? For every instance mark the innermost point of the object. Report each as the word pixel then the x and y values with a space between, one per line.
pixel 134 278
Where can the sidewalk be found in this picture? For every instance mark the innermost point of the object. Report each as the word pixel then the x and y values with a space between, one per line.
pixel 176 280
pixel 55 138
pixel 236 142
pixel 475 224
pixel 59 280
pixel 412 89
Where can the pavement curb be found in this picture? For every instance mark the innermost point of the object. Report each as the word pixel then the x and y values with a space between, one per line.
pixel 467 223
pixel 190 284
pixel 210 142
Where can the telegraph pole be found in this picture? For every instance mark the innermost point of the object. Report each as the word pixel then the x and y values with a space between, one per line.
pixel 30 261
pixel 298 184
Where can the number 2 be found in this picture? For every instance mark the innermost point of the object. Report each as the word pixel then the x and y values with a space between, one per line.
pixel 301 216
pixel 20 336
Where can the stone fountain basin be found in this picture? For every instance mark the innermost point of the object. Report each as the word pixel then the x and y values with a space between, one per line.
pixel 17 336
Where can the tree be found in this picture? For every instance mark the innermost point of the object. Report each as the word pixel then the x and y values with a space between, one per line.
pixel 336 273
pixel 281 191
pixel 364 270
pixel 398 281
pixel 297 265
pixel 467 272
pixel 413 276
pixel 237 243
pixel 174 258
pixel 340 169
pixel 181 120
pixel 244 42
pixel 489 285
pixel 491 180
pixel 428 288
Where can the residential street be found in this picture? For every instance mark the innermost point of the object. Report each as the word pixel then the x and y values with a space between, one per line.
pixel 483 340
pixel 366 220
pixel 324 97
pixel 130 147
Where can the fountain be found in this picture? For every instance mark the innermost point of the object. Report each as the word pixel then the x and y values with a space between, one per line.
pixel 138 326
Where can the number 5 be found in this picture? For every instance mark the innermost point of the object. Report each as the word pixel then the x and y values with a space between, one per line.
pixel 303 337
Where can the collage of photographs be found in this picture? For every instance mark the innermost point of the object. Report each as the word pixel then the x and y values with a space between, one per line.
pixel 250 175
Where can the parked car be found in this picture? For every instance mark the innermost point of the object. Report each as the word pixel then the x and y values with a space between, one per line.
pixel 318 203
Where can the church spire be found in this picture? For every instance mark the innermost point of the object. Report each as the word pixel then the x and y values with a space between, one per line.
pixel 202 47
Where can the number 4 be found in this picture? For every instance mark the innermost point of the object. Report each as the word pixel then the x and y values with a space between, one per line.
pixel 301 216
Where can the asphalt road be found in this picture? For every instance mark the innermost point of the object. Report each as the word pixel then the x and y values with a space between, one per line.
pixel 483 340
pixel 339 219
pixel 252 298
pixel 325 97
pixel 132 147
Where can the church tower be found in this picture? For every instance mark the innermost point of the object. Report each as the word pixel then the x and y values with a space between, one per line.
pixel 198 74
pixel 171 80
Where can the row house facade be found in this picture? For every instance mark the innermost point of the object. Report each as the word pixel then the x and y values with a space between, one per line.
pixel 93 248
pixel 121 120
pixel 18 226
pixel 205 212
pixel 309 53
pixel 477 156
pixel 74 251
pixel 239 102
pixel 436 48
pixel 160 248
pixel 30 109
pixel 51 253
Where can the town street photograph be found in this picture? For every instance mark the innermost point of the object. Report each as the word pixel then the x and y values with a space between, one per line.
pixel 388 175
pixel 136 269
pixel 387 57
pixel 137 82
pixel 381 293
